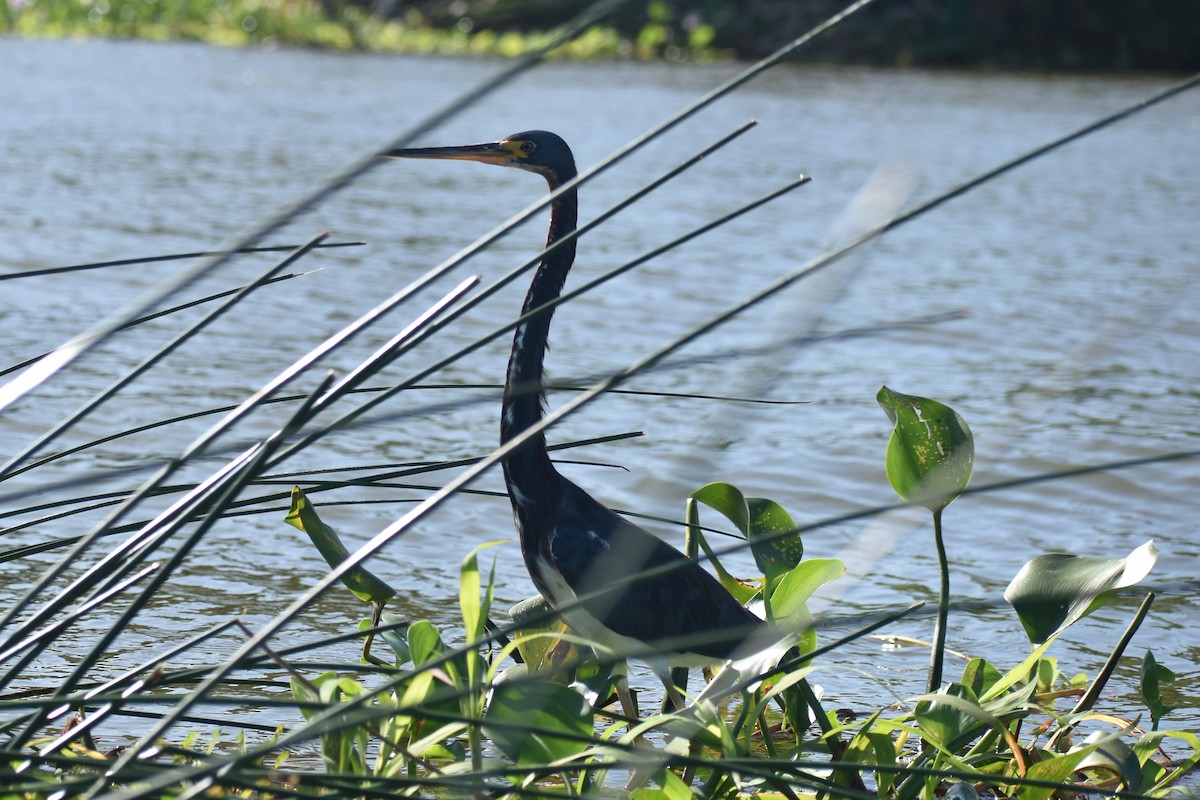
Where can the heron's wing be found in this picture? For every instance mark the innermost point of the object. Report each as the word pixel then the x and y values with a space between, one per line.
pixel 678 607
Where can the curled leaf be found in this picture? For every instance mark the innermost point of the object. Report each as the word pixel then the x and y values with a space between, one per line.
pixel 931 453
pixel 1055 590
pixel 1113 756
pixel 770 529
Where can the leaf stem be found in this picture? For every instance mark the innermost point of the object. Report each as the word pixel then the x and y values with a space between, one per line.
pixel 937 656
pixel 1093 693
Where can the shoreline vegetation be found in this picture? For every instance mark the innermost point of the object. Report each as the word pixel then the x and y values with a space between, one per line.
pixel 1103 35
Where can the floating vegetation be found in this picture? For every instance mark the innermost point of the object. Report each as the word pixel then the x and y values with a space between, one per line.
pixel 349 27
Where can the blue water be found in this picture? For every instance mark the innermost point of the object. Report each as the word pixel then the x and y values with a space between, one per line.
pixel 1075 277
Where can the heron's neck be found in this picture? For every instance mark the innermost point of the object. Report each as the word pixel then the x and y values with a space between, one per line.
pixel 529 469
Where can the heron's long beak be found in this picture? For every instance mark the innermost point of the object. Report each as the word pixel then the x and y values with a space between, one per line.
pixel 490 153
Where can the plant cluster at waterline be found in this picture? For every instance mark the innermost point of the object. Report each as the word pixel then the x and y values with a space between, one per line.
pixel 530 706
pixel 346 26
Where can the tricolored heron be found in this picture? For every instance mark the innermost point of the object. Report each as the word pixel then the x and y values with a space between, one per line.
pixel 574 547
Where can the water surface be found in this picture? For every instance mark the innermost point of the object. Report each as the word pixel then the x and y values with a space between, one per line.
pixel 1075 275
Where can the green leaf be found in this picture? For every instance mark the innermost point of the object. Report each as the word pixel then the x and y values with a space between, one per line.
pixel 424 642
pixel 743 592
pixel 395 638
pixel 306 692
pixel 943 721
pixel 930 454
pixel 776 545
pixel 763 522
pixel 1054 590
pixel 789 607
pixel 1113 756
pixel 873 748
pixel 980 676
pixel 1153 676
pixel 728 500
pixel 670 787
pixel 523 718
pixel 1156 777
pixel 1020 674
pixel 1057 769
pixel 474 611
pixel 365 585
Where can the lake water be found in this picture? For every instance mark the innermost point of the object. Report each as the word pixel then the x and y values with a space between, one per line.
pixel 1078 344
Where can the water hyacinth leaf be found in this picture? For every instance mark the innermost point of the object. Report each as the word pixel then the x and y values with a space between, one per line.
pixel 944 721
pixel 763 522
pixel 777 548
pixel 1054 590
pixel 1113 756
pixel 307 692
pixel 1153 676
pixel 728 500
pixel 980 676
pixel 789 601
pixel 743 591
pixel 365 584
pixel 523 718
pixel 930 454
pixel 395 638
pixel 424 642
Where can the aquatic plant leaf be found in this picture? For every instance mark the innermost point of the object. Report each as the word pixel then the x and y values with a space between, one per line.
pixel 776 545
pixel 474 611
pixel 424 642
pixel 789 607
pixel 942 721
pixel 1153 676
pixel 1114 756
pixel 1156 776
pixel 1058 769
pixel 728 500
pixel 365 585
pixel 871 747
pixel 743 591
pixel 395 639
pixel 1020 674
pixel 670 788
pixel 980 676
pixel 523 718
pixel 307 692
pixel 764 523
pixel 931 452
pixel 534 649
pixel 416 694
pixel 1054 590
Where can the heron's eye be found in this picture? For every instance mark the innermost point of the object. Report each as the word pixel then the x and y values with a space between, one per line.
pixel 528 147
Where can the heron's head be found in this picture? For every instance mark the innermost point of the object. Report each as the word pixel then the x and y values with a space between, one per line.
pixel 536 151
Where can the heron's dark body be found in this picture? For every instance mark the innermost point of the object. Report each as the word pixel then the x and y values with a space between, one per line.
pixel 573 546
